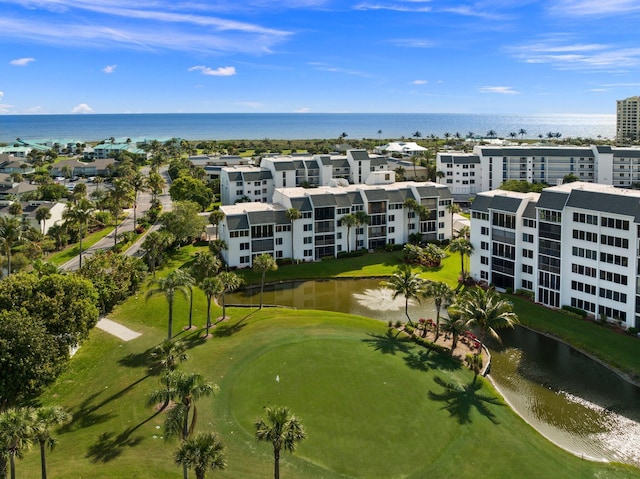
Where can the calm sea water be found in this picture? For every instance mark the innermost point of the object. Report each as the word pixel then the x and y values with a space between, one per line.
pixel 291 126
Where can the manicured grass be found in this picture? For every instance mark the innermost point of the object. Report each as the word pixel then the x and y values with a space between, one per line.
pixel 374 406
pixel 380 264
pixel 72 251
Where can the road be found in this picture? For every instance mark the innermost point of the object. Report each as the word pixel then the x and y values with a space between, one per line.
pixel 144 203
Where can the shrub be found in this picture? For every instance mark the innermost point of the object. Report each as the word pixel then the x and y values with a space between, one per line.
pixel 581 313
pixel 633 331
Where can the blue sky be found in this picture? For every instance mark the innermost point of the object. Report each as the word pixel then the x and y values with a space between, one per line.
pixel 423 56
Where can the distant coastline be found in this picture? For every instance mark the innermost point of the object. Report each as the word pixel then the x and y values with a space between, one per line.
pixel 297 126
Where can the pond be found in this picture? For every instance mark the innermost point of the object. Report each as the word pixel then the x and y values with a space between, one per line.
pixel 572 400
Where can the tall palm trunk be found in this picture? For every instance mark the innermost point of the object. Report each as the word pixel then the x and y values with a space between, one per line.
pixel 43 460
pixel 208 313
pixel 170 332
pixel 276 463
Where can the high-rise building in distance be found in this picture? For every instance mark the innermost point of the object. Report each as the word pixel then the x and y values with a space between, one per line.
pixel 628 119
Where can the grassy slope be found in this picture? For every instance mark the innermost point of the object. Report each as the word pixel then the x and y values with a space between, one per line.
pixel 364 397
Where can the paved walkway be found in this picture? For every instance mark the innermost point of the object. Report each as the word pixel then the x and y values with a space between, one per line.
pixel 117 329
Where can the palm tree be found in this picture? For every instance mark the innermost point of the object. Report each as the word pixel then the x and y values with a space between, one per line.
pixel 454 209
pixel 202 453
pixel 406 283
pixel 491 134
pixel 522 132
pixel 212 288
pixel 174 282
pixel 349 221
pixel 10 235
pixel 45 418
pixel 262 264
pixel 169 353
pixel 293 214
pixel 230 282
pixel 43 213
pixel 79 215
pixel 156 183
pixel 16 433
pixel 283 430
pixel 464 247
pixel 215 218
pixel 361 219
pixel 138 183
pixel 441 293
pixel 486 310
pixel 118 198
pixel 154 245
pixel 454 325
pixel 205 264
pixel 184 389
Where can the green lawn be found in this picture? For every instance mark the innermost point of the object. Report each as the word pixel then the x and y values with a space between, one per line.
pixel 71 251
pixel 369 265
pixel 374 406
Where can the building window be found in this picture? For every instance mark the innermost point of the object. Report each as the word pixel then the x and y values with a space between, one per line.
pixel 307 240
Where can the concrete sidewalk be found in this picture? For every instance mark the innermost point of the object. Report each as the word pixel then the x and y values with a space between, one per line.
pixel 117 329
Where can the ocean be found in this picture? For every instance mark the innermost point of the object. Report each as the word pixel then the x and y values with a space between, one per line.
pixel 292 126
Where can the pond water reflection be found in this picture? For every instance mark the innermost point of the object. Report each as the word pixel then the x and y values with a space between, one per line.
pixel 571 399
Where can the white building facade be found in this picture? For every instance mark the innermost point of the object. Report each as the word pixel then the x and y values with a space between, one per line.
pixel 489 166
pixel 251 229
pixel 576 244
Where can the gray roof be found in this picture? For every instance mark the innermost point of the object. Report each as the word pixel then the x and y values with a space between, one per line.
pixel 266 217
pixel 460 159
pixel 355 198
pixel 429 191
pixel 283 165
pixel 301 204
pixel 509 204
pixel 359 155
pixel 237 222
pixel 325 159
pixel 606 202
pixel 530 210
pixel 400 196
pixel 376 195
pixel 553 152
pixel 628 153
pixel 604 149
pixel 320 201
pixel 342 201
pixel 234 176
pixel 257 175
pixel 481 203
pixel 340 163
pixel 379 161
pixel 312 164
pixel 552 200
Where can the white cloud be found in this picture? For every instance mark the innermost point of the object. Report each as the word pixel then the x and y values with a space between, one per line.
pixel 82 108
pixel 412 7
pixel 562 55
pixel 109 69
pixel 413 43
pixel 250 104
pixel 503 90
pixel 419 82
pixel 22 62
pixel 1 95
pixel 218 72
pixel 595 7
pixel 303 110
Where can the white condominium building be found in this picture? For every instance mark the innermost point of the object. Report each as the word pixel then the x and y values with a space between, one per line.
pixel 489 166
pixel 251 229
pixel 628 119
pixel 247 183
pixel 576 244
